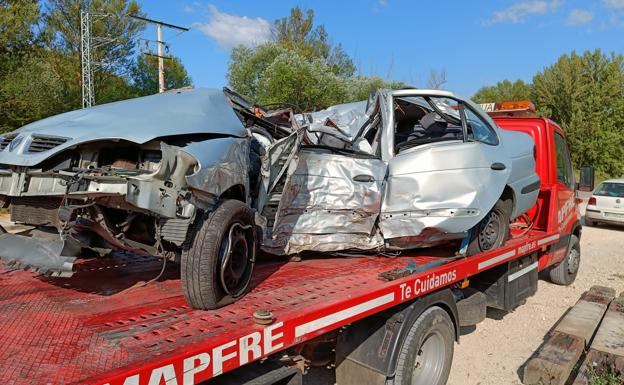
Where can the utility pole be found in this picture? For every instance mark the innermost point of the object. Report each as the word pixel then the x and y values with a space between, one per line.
pixel 161 45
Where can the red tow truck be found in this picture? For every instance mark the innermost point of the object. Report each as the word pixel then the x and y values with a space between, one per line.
pixel 377 320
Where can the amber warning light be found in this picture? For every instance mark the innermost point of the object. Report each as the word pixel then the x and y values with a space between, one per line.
pixel 520 108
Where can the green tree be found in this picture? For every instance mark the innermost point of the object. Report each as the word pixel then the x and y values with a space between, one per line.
pixel 115 34
pixel 144 75
pixel 300 67
pixel 585 95
pixel 504 91
pixel 308 84
pixel 297 33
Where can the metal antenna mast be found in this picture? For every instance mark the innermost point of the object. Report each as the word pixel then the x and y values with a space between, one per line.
pixel 161 45
pixel 87 44
pixel 88 97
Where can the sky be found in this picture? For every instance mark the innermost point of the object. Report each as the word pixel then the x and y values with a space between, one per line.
pixel 477 43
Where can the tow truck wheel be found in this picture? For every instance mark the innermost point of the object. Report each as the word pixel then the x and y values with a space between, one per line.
pixel 217 264
pixel 493 230
pixel 427 353
pixel 565 272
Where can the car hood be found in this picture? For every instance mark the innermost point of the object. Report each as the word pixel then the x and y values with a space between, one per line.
pixel 139 120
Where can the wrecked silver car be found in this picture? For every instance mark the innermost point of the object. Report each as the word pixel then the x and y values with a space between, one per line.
pixel 409 168
pixel 202 177
pixel 138 176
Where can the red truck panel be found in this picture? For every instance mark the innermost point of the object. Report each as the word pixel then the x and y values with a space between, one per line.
pixel 102 326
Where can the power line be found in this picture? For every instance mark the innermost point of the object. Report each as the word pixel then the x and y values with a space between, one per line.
pixel 89 42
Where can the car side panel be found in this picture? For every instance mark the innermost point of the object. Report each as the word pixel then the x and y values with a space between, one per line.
pixel 446 187
pixel 324 209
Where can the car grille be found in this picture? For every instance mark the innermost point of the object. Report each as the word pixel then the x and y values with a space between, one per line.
pixel 45 143
pixel 5 141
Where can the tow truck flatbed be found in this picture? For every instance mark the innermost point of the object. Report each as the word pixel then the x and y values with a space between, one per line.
pixel 105 326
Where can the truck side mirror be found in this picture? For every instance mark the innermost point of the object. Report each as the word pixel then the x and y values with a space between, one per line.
pixel 586 182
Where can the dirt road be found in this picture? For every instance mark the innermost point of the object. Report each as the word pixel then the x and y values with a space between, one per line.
pixel 493 353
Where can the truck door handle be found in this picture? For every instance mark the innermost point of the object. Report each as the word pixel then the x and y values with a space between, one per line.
pixel 363 178
pixel 497 166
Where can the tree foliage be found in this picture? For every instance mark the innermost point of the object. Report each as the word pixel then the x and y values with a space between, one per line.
pixel 144 75
pixel 504 91
pixel 299 67
pixel 585 95
pixel 297 33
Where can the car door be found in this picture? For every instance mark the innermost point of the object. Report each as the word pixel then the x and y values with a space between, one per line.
pixel 437 191
pixel 329 199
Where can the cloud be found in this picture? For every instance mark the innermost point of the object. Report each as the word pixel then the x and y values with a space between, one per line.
pixel 232 30
pixel 383 3
pixel 517 12
pixel 613 4
pixel 579 17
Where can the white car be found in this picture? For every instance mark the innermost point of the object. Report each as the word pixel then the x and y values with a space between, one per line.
pixel 606 204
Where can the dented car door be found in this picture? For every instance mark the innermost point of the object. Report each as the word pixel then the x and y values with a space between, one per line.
pixel 330 201
pixel 441 187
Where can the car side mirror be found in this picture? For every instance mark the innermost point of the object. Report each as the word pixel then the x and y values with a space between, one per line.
pixel 587 173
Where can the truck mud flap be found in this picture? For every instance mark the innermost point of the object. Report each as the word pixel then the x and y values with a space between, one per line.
pixel 41 255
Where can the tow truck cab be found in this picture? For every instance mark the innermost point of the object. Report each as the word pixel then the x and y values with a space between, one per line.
pixel 557 209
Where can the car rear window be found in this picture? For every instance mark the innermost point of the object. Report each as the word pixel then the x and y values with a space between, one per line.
pixel 610 189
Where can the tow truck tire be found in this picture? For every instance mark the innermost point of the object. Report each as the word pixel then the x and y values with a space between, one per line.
pixel 212 276
pixel 565 272
pixel 426 355
pixel 493 230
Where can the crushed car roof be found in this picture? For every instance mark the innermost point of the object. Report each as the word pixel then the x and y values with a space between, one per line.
pixel 190 111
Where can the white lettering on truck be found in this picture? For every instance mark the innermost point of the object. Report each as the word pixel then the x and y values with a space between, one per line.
pixel 246 349
pixel 426 284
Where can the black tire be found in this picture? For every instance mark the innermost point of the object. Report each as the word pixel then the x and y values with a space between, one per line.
pixel 426 355
pixel 565 272
pixel 493 230
pixel 211 277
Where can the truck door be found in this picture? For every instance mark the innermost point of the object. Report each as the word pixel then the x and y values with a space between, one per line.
pixel 565 195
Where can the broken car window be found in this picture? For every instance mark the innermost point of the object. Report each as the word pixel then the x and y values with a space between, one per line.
pixel 420 120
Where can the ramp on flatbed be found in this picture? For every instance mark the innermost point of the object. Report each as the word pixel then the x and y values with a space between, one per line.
pixel 103 325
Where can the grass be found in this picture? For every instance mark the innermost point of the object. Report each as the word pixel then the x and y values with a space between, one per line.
pixel 606 377
pixel 4 211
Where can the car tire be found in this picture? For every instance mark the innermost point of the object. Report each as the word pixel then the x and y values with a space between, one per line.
pixel 217 262
pixel 565 272
pixel 589 222
pixel 426 354
pixel 493 230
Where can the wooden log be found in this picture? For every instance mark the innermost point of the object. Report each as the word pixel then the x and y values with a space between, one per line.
pixel 558 356
pixel 554 360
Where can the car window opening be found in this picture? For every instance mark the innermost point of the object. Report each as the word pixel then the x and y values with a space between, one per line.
pixel 420 121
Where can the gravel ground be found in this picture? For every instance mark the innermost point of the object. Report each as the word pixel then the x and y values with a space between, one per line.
pixel 494 353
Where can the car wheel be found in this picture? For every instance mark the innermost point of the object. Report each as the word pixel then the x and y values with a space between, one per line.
pixel 217 262
pixel 427 352
pixel 565 272
pixel 493 230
